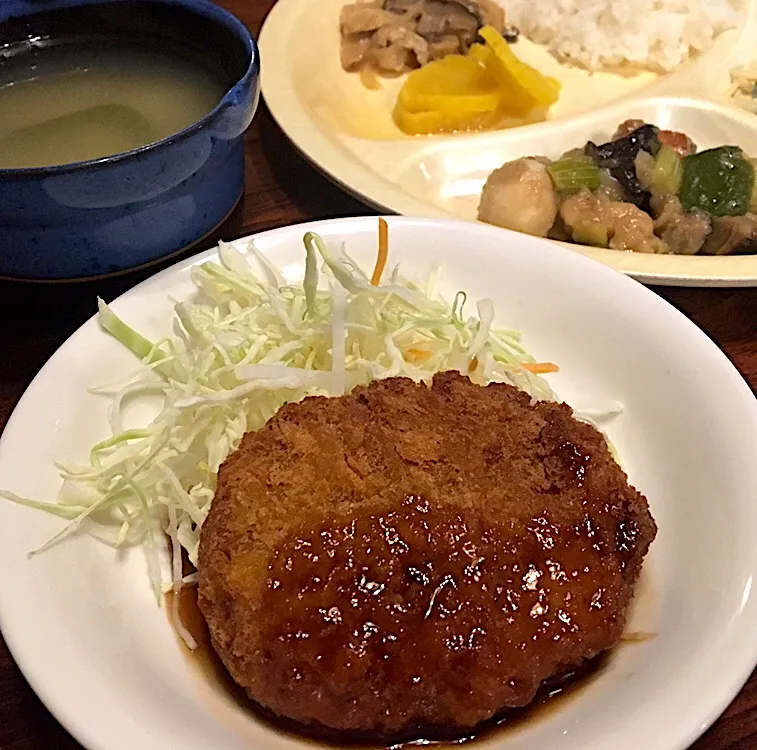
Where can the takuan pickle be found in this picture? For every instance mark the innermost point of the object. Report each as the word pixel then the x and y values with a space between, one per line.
pixel 474 91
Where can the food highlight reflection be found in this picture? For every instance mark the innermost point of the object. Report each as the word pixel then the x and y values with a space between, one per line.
pixel 549 700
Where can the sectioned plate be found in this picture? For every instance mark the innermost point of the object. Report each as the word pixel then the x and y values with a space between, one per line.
pixel 347 130
pixel 83 625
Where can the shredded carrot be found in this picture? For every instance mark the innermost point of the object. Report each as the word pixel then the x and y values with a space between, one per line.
pixel 383 252
pixel 540 368
pixel 473 366
pixel 419 354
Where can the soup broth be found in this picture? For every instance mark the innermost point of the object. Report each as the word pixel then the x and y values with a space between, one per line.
pixel 85 101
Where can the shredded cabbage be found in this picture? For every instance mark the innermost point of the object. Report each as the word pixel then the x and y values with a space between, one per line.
pixel 250 344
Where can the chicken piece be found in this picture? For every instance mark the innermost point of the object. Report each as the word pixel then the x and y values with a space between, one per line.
pixel 684 233
pixel 355 50
pixel 385 41
pixel 609 187
pixel 445 45
pixel 362 17
pixel 587 218
pixel 732 234
pixel 408 557
pixel 633 229
pixel 406 34
pixel 479 12
pixel 596 220
pixel 397 49
pixel 520 195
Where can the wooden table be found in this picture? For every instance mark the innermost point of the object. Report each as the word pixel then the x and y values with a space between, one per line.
pixel 282 188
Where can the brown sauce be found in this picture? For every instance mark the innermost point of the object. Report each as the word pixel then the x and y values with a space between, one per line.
pixel 551 698
pixel 638 636
pixel 349 595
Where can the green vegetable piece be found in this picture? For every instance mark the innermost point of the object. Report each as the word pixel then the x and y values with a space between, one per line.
pixel 590 233
pixel 572 173
pixel 667 172
pixel 752 209
pixel 718 181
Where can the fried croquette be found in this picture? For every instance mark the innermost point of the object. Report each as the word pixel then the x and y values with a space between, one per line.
pixel 411 557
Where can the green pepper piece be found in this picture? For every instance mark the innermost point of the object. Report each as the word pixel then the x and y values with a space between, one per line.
pixel 718 181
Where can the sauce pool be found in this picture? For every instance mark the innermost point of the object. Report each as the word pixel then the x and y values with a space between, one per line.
pixel 204 658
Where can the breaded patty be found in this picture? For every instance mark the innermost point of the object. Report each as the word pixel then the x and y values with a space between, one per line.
pixel 408 556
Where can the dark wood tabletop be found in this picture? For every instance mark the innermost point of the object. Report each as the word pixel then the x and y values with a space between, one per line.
pixel 282 188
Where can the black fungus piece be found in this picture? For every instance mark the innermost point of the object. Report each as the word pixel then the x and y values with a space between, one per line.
pixel 618 158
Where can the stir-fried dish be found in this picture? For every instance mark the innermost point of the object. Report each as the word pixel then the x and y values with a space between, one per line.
pixel 647 190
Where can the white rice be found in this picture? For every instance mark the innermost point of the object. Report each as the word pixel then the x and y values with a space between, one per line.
pixel 653 34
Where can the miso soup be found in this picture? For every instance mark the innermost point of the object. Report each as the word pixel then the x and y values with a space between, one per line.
pixel 84 101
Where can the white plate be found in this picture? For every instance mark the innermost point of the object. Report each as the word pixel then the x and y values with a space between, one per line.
pixel 347 131
pixel 84 628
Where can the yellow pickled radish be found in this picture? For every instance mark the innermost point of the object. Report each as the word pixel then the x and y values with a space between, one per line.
pixel 482 89
pixel 453 84
pixel 543 89
pixel 447 95
pixel 480 53
pixel 515 100
pixel 432 121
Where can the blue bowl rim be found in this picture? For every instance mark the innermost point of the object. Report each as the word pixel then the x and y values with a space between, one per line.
pixel 201 7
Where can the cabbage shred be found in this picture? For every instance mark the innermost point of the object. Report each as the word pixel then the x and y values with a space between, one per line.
pixel 249 344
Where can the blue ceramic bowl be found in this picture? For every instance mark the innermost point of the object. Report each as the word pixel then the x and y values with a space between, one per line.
pixel 117 213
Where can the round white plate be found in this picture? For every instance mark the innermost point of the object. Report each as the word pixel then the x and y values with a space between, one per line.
pixel 347 130
pixel 81 621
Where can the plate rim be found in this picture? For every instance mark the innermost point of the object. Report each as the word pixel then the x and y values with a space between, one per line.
pixel 48 696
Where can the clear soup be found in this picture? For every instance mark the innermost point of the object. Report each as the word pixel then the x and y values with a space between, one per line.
pixel 86 101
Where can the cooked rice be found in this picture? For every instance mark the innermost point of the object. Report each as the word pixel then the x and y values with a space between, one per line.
pixel 657 35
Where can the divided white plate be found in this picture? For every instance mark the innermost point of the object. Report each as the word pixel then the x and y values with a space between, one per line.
pixel 347 130
pixel 81 621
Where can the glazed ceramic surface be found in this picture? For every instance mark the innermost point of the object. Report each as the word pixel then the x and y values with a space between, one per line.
pixel 348 132
pixel 119 212
pixel 84 626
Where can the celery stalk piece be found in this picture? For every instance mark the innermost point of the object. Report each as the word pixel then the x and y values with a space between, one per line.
pixel 572 173
pixel 667 172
